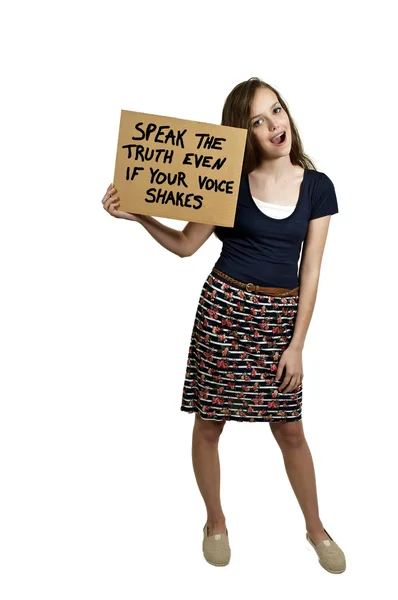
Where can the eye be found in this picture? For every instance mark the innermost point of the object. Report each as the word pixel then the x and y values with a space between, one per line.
pixel 276 108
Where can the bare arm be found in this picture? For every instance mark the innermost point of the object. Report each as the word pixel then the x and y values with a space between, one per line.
pixel 196 234
pixel 310 269
pixel 183 243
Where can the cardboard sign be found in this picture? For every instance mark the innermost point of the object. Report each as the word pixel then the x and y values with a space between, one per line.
pixel 178 169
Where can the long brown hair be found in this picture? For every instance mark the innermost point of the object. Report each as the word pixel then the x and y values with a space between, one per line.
pixel 236 113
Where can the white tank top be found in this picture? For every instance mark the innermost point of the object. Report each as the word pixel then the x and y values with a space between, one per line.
pixel 274 210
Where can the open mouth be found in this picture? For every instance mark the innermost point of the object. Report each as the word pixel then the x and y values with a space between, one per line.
pixel 280 140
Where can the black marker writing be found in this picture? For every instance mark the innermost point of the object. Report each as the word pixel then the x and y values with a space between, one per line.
pixel 134 173
pixel 160 177
pixel 178 199
pixel 203 161
pixel 209 141
pixel 149 153
pixel 214 184
pixel 175 138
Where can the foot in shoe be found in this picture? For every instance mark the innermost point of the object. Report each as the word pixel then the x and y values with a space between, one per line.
pixel 216 527
pixel 318 535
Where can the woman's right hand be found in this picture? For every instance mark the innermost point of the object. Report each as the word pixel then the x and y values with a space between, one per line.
pixel 110 202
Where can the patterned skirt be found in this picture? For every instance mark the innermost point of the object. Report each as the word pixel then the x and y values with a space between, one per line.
pixel 237 340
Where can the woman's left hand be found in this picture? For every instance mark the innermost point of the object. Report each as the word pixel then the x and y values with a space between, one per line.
pixel 292 359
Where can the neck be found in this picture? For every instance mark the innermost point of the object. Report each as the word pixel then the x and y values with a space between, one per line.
pixel 276 171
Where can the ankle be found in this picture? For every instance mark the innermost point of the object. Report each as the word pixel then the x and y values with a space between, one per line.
pixel 217 521
pixel 315 528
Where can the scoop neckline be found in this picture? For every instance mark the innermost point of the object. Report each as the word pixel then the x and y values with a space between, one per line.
pixel 276 206
pixel 273 218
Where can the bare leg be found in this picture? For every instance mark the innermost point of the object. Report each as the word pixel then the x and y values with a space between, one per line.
pixel 206 465
pixel 300 470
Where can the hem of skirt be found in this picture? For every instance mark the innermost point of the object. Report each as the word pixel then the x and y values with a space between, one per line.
pixel 248 419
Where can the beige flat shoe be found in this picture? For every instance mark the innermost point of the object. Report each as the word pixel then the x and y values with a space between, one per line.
pixel 331 556
pixel 216 549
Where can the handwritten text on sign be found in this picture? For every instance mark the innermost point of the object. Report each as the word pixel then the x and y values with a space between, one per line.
pixel 179 169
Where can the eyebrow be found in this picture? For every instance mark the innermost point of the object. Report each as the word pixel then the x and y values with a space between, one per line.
pixel 277 102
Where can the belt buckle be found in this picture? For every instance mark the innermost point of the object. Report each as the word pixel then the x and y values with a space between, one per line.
pixel 249 287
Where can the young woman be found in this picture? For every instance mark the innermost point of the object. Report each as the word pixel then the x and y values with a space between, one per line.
pixel 245 355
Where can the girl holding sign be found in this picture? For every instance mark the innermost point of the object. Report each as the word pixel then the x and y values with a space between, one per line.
pixel 245 355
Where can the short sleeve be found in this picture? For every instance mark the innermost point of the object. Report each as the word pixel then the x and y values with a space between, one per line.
pixel 325 200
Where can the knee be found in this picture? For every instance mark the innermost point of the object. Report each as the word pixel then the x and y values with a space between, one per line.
pixel 288 435
pixel 207 429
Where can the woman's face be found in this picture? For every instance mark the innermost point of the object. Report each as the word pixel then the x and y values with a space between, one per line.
pixel 267 119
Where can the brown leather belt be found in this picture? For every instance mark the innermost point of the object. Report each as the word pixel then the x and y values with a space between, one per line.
pixel 251 287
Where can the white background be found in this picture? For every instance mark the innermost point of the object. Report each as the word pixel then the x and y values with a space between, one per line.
pixel 98 496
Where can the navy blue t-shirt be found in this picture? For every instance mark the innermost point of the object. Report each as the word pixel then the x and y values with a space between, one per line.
pixel 265 251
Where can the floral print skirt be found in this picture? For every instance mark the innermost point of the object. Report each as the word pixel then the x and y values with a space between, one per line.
pixel 237 340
